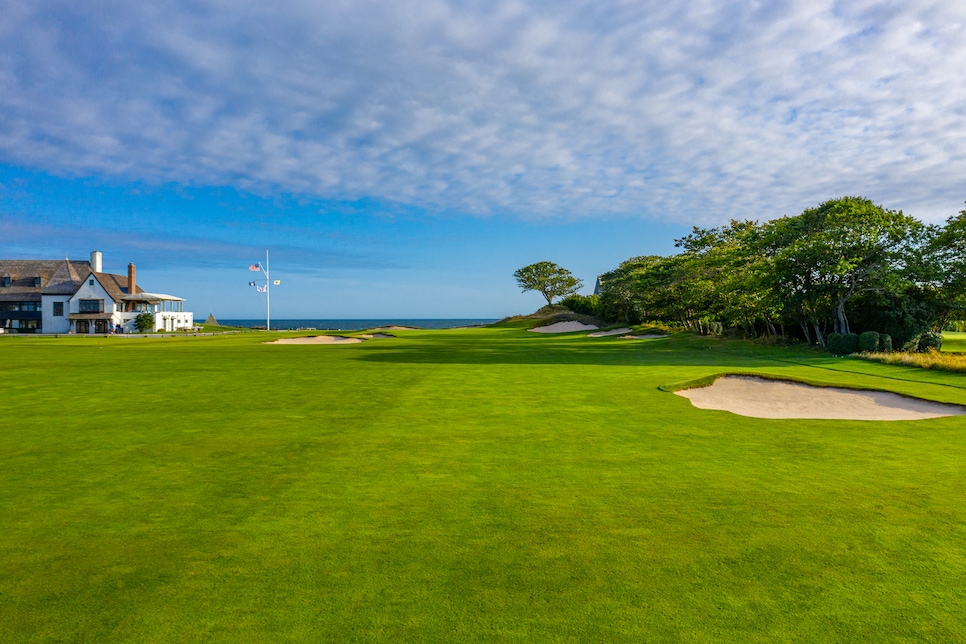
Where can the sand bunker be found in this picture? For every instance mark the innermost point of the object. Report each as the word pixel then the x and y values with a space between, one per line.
pixel 604 334
pixel 760 398
pixel 564 327
pixel 375 336
pixel 318 339
pixel 647 336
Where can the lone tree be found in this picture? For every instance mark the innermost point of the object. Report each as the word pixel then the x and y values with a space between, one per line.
pixel 547 278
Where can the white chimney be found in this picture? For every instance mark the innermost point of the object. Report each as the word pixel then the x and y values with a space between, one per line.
pixel 96 262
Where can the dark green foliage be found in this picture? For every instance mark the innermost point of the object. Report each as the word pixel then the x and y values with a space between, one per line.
pixel 930 340
pixel 904 316
pixel 850 343
pixel 144 322
pixel 835 342
pixel 846 264
pixel 583 304
pixel 885 341
pixel 869 341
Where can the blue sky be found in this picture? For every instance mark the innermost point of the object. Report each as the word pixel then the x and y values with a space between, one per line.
pixel 403 159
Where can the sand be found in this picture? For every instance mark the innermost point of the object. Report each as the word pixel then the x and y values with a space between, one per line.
pixel 604 334
pixel 375 336
pixel 647 336
pixel 564 327
pixel 318 339
pixel 760 398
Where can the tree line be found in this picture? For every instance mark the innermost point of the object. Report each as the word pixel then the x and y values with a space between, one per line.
pixel 844 267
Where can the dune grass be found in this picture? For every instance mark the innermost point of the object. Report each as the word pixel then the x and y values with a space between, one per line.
pixel 464 485
pixel 951 358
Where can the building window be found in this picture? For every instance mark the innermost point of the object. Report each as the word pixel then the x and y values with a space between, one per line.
pixel 90 282
pixel 58 309
pixel 6 281
pixel 119 307
pixel 92 306
pixel 36 281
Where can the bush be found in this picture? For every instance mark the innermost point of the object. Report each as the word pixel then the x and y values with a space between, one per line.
pixel 929 341
pixel 835 342
pixel 885 341
pixel 144 322
pixel 869 341
pixel 584 304
pixel 851 343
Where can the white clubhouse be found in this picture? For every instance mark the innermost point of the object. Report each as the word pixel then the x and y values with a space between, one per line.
pixel 67 296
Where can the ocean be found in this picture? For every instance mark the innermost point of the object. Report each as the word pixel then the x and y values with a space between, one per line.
pixel 356 325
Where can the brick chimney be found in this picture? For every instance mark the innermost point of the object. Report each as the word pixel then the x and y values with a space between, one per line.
pixel 132 287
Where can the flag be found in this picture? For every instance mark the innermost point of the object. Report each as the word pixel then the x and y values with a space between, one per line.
pixel 277 282
pixel 255 267
pixel 261 289
pixel 251 283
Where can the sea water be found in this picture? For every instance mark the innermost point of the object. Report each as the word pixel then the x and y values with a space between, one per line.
pixel 356 325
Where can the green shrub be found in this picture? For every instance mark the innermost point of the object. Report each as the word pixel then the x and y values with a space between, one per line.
pixel 584 304
pixel 929 341
pixel 885 341
pixel 851 343
pixel 869 341
pixel 144 322
pixel 835 342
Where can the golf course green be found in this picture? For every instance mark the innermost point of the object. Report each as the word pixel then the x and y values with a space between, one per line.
pixel 465 485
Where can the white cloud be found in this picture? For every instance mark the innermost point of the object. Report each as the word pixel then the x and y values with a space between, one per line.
pixel 686 111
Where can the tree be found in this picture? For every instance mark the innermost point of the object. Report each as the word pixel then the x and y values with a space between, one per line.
pixel 144 322
pixel 827 255
pixel 942 269
pixel 548 279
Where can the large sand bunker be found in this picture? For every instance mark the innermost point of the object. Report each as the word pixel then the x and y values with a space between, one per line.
pixel 564 327
pixel 761 398
pixel 318 339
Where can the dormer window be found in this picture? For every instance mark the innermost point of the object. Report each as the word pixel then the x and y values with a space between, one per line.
pixel 36 281
pixel 6 280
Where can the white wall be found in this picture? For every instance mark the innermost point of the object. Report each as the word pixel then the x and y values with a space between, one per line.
pixel 51 323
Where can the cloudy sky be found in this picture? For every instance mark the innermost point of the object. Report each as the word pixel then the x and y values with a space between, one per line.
pixel 404 158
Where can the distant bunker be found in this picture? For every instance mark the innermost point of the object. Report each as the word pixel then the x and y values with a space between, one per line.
pixel 762 398
pixel 317 339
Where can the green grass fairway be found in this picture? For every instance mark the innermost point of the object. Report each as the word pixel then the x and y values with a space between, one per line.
pixel 954 342
pixel 465 485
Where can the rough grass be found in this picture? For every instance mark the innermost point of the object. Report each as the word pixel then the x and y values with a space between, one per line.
pixel 464 485
pixel 931 360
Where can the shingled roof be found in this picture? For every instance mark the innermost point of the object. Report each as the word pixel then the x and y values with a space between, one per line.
pixel 57 277
pixel 115 285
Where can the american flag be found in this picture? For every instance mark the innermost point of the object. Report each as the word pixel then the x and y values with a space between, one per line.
pixel 255 267
pixel 261 289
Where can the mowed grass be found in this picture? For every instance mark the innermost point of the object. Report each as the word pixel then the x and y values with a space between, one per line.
pixel 465 485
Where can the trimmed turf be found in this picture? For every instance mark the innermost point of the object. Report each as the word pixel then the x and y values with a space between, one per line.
pixel 954 342
pixel 470 485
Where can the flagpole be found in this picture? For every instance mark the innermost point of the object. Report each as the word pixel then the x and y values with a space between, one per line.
pixel 268 295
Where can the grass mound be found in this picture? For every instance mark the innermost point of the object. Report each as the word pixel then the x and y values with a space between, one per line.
pixel 544 317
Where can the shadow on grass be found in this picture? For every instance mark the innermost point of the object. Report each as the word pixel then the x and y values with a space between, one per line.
pixel 572 350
